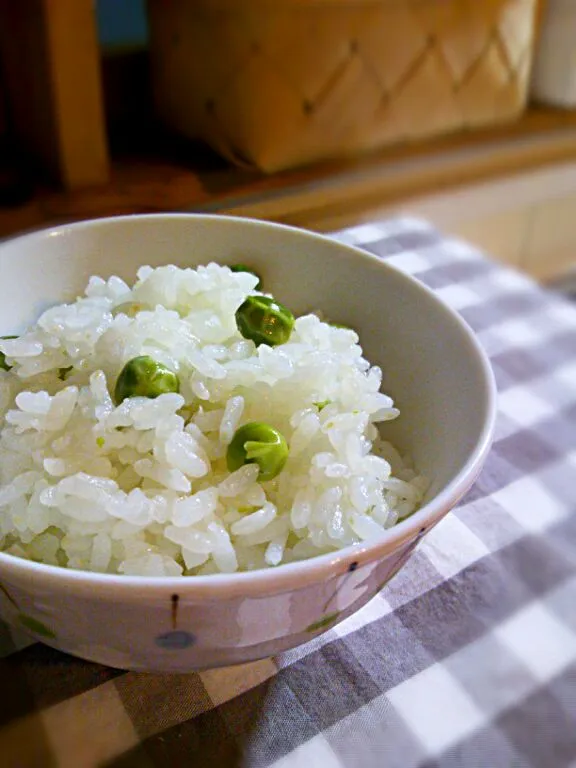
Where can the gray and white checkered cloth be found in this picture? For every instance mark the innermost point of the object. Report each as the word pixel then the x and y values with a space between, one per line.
pixel 467 658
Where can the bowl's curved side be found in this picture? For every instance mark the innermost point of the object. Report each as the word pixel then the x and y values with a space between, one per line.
pixel 176 633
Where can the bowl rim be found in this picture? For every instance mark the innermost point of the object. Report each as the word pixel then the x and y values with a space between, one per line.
pixel 287 576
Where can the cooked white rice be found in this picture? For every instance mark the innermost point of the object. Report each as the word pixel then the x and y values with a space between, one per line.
pixel 143 488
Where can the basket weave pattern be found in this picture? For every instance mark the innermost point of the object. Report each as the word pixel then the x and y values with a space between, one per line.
pixel 279 83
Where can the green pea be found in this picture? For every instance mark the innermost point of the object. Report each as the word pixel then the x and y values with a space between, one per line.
pixel 258 443
pixel 144 377
pixel 265 321
pixel 244 268
pixel 3 364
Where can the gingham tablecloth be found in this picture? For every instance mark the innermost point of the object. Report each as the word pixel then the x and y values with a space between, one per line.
pixel 467 658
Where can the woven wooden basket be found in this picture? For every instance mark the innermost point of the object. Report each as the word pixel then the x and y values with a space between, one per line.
pixel 279 83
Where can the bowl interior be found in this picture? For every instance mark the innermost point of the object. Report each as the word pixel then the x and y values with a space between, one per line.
pixel 431 365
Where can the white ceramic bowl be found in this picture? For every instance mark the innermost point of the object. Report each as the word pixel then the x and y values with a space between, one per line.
pixel 433 368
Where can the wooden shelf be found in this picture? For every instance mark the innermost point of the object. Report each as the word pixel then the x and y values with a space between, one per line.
pixel 180 177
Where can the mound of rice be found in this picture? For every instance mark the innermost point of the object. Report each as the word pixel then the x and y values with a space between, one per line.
pixel 143 488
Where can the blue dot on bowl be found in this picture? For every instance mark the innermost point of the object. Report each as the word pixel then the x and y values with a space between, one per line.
pixel 175 641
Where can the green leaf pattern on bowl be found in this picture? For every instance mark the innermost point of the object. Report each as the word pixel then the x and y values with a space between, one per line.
pixel 36 626
pixel 324 622
pixel 29 622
